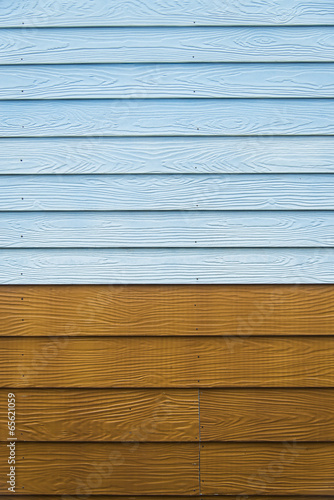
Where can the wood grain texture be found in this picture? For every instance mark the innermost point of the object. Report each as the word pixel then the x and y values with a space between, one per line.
pixel 152 497
pixel 167 81
pixel 111 362
pixel 287 468
pixel 34 13
pixel 167 192
pixel 166 362
pixel 104 468
pixel 256 415
pixel 166 229
pixel 167 117
pixel 265 361
pixel 267 415
pixel 126 155
pixel 168 310
pixel 166 266
pixel 103 415
pixel 202 497
pixel 161 45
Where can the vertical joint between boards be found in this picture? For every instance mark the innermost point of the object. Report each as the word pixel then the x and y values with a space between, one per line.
pixel 199 441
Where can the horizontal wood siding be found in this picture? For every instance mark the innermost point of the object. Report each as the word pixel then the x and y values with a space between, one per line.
pixel 166 81
pixel 167 155
pixel 183 310
pixel 166 192
pixel 172 229
pixel 167 45
pixel 154 497
pixel 267 415
pixel 280 468
pixel 167 117
pixel 109 415
pixel 248 413
pixel 176 13
pixel 167 266
pixel 167 362
pixel 167 249
pixel 170 415
pixel 186 126
pixel 123 468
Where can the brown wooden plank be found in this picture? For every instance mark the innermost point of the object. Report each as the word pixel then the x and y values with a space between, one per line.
pixel 167 362
pixel 97 362
pixel 266 361
pixel 267 414
pixel 152 497
pixel 167 310
pixel 288 468
pixel 104 468
pixel 103 415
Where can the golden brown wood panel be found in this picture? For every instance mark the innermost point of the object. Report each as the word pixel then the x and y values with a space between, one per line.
pixel 287 468
pixel 98 362
pixel 103 415
pixel 267 414
pixel 265 361
pixel 173 497
pixel 104 468
pixel 167 362
pixel 167 310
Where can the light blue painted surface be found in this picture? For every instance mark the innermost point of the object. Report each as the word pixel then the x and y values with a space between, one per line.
pixel 168 192
pixel 165 13
pixel 162 45
pixel 99 102
pixel 167 155
pixel 151 81
pixel 166 117
pixel 181 265
pixel 188 229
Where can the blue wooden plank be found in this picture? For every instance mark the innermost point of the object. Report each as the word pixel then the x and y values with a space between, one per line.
pixel 167 192
pixel 98 81
pixel 98 135
pixel 168 117
pixel 166 229
pixel 167 266
pixel 140 45
pixel 172 13
pixel 112 155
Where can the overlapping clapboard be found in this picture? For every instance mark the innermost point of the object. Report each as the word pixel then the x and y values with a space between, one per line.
pixel 169 390
pixel 167 142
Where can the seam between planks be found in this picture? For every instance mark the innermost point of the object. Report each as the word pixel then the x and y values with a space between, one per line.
pixel 199 441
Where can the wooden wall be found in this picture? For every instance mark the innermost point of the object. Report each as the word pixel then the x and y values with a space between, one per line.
pixel 166 142
pixel 179 391
pixel 166 248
